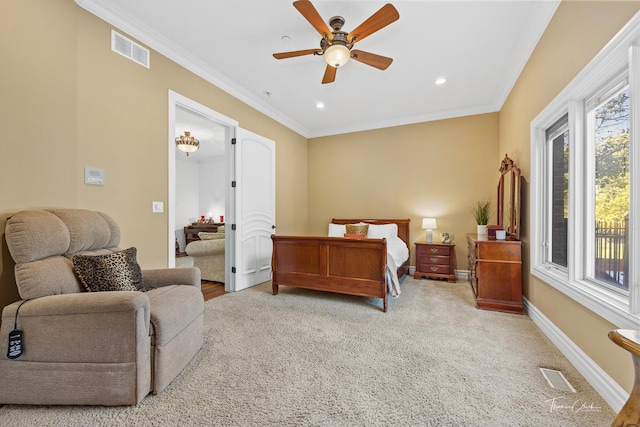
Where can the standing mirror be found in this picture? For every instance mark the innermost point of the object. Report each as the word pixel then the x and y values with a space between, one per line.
pixel 508 214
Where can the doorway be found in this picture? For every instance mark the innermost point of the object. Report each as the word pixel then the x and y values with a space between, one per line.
pixel 199 183
pixel 249 192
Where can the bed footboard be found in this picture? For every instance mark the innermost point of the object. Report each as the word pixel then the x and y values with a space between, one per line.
pixel 333 264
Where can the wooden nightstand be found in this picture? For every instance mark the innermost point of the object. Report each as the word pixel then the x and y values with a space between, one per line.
pixel 435 261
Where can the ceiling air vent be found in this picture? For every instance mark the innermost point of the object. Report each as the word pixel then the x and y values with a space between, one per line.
pixel 129 49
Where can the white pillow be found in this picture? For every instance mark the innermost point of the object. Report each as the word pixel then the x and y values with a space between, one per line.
pixel 379 231
pixel 337 230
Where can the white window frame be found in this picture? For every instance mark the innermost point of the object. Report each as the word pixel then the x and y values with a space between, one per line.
pixel 622 52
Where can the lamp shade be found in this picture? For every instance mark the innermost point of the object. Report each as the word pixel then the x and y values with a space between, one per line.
pixel 429 223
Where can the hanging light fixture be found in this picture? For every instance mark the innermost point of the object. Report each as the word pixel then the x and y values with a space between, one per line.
pixel 336 51
pixel 187 143
pixel 337 55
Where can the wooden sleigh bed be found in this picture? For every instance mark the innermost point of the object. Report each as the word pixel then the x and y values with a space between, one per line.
pixel 336 264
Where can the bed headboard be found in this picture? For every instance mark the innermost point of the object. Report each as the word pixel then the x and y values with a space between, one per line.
pixel 403 225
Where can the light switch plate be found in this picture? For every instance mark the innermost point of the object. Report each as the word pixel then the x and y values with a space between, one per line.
pixel 157 207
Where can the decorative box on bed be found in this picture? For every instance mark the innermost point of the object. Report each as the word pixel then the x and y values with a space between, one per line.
pixel 344 265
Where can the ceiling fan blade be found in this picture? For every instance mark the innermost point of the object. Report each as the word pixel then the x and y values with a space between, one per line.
pixel 377 61
pixel 311 14
pixel 284 55
pixel 329 74
pixel 383 17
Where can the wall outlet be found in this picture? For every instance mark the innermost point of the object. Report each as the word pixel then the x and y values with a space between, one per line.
pixel 157 207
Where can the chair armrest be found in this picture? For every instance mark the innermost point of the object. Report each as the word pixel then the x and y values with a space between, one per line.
pixel 80 303
pixel 87 327
pixel 205 248
pixel 171 276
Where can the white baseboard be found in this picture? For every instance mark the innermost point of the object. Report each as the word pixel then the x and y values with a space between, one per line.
pixel 462 274
pixel 606 387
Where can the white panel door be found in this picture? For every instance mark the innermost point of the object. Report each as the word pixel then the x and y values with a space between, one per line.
pixel 255 161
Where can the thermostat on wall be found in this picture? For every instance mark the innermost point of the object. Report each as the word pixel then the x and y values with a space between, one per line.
pixel 93 176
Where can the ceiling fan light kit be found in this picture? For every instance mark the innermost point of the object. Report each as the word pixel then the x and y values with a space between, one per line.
pixel 336 45
pixel 337 55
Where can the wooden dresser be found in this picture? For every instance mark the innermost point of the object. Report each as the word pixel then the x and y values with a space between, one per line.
pixel 435 261
pixel 495 273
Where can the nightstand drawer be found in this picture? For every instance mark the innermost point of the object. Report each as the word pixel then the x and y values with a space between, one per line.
pixel 434 268
pixel 433 259
pixel 436 250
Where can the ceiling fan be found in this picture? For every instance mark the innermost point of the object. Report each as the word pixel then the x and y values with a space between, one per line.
pixel 336 45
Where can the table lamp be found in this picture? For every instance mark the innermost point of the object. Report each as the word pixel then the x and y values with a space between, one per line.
pixel 429 224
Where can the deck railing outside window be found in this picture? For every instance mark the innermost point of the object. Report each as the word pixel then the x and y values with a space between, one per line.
pixel 612 248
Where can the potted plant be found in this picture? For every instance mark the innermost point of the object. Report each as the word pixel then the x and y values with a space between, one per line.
pixel 481 212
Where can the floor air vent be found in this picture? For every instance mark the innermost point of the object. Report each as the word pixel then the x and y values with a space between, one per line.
pixel 129 49
pixel 557 380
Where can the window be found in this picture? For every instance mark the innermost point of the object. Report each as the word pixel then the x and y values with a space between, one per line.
pixel 583 197
pixel 558 152
pixel 607 135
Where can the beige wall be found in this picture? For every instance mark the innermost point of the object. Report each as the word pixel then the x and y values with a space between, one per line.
pixel 435 169
pixel 578 31
pixel 68 102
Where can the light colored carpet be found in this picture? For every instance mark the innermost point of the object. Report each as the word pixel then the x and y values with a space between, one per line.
pixel 312 358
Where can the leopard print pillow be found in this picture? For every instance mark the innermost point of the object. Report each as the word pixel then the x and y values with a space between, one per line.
pixel 118 271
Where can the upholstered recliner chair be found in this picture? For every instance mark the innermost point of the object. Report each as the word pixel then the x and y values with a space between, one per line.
pixel 92 348
pixel 208 255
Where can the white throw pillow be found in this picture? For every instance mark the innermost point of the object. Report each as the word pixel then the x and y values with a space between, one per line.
pixel 337 230
pixel 379 231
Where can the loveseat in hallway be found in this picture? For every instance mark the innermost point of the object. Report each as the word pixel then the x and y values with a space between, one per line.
pixel 208 255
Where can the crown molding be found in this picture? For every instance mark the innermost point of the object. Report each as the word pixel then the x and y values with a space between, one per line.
pixel 535 28
pixel 402 121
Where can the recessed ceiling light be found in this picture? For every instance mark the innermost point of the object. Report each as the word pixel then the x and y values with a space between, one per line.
pixel 285 39
pixel 320 105
pixel 441 81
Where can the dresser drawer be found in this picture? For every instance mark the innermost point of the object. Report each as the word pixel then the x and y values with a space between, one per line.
pixel 503 251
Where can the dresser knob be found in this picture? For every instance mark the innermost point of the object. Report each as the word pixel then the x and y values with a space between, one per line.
pixel 434 250
pixel 434 268
pixel 433 259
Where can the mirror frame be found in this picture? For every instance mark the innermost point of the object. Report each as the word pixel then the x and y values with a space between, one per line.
pixel 509 204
